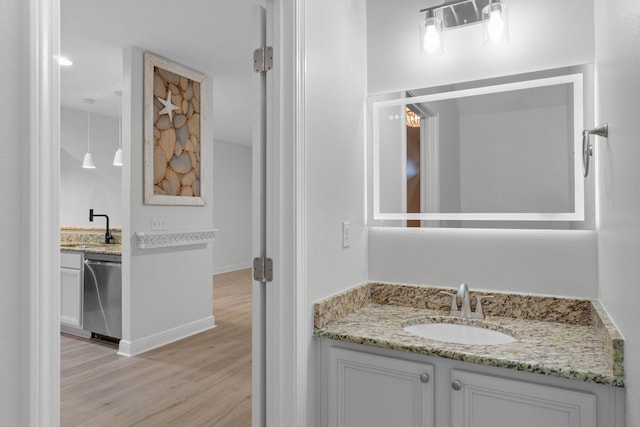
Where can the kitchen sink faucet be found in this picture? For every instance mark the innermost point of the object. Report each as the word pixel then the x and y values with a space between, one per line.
pixel 108 238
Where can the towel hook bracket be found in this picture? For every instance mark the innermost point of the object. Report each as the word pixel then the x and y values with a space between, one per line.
pixel 587 146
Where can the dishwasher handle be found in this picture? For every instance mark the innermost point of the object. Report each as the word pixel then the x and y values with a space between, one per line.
pixel 109 263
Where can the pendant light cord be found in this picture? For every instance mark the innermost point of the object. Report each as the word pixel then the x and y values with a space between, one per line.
pixel 88 130
pixel 120 129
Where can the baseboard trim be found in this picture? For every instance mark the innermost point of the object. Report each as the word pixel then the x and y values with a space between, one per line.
pixel 134 348
pixel 75 331
pixel 232 267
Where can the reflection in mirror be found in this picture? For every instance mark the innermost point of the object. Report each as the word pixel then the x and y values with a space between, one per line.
pixel 495 153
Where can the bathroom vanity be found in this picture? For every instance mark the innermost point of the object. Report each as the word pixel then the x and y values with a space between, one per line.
pixel 563 369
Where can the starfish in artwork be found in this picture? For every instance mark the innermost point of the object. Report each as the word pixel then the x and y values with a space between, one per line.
pixel 169 107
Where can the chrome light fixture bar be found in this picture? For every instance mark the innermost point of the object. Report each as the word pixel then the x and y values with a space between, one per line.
pixel 457 13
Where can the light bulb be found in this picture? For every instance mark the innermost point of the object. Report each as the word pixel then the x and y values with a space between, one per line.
pixel 495 27
pixel 431 39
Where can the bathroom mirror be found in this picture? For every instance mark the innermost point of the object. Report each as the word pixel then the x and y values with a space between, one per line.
pixel 494 152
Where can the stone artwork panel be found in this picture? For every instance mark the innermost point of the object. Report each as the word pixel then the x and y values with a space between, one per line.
pixel 176 134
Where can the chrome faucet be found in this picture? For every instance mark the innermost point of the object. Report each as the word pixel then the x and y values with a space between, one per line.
pixel 107 235
pixel 463 292
pixel 465 310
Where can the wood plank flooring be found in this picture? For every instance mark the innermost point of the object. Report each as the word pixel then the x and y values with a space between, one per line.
pixel 203 380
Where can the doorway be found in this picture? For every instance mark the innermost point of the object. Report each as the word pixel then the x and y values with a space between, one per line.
pixel 96 28
pixel 287 300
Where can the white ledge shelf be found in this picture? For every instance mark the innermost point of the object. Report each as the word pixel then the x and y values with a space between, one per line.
pixel 166 239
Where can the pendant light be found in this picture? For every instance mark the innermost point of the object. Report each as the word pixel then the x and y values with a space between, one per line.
pixel 117 158
pixel 87 162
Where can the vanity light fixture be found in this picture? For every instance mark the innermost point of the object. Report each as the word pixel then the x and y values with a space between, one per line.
pixel 117 158
pixel 495 24
pixel 87 162
pixel 458 13
pixel 431 34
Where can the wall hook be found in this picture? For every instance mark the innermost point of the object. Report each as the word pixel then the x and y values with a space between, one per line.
pixel 587 146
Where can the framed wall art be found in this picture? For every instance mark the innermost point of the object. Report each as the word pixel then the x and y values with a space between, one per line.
pixel 174 133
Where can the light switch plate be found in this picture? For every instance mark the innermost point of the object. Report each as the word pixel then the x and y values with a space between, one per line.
pixel 346 234
pixel 158 224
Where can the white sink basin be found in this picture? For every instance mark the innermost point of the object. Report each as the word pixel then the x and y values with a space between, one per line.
pixel 459 334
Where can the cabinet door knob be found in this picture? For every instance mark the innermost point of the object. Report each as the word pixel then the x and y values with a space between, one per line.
pixel 456 385
pixel 424 378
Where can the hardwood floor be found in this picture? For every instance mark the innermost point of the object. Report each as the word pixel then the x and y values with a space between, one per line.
pixel 203 380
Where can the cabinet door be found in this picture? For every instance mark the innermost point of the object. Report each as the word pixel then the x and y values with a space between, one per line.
pixel 375 391
pixel 71 297
pixel 487 401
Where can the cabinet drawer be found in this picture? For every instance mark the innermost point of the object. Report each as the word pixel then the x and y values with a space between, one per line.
pixel 71 260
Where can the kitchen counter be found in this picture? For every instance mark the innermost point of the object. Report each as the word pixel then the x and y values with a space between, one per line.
pixel 110 249
pixel 563 337
pixel 90 239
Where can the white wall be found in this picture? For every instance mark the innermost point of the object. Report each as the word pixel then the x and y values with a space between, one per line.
pixel 167 293
pixel 335 89
pixel 231 206
pixel 532 261
pixel 14 286
pixel 394 63
pixel 83 189
pixel 617 27
pixel 335 34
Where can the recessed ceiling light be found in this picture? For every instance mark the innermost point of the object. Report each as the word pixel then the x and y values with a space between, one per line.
pixel 65 62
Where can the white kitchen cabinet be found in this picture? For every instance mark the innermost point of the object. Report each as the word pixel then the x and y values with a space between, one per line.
pixel 489 401
pixel 372 391
pixel 71 289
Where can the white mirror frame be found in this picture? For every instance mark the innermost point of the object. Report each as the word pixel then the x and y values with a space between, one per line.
pixel 578 113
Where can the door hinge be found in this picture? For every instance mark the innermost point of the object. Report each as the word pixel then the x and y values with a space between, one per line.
pixel 262 269
pixel 263 59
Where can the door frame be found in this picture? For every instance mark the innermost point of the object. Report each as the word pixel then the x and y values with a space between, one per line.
pixel 41 324
pixel 287 311
pixel 288 316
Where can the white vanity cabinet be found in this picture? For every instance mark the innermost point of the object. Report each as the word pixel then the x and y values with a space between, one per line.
pixel 71 289
pixel 489 401
pixel 366 390
pixel 369 386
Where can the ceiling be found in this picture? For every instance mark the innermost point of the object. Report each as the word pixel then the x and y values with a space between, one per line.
pixel 211 36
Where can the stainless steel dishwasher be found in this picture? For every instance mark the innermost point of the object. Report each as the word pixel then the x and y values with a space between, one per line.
pixel 102 301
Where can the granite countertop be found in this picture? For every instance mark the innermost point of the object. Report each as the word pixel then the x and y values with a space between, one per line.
pixel 110 249
pixel 563 337
pixel 90 239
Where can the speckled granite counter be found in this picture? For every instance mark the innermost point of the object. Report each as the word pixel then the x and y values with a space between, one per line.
pixel 564 337
pixel 90 239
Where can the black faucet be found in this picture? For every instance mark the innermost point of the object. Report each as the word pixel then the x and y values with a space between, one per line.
pixel 107 236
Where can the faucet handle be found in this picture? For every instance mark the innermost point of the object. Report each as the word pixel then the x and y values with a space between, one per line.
pixel 454 301
pixel 479 314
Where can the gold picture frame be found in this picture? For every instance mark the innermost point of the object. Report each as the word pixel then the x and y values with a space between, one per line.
pixel 174 133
